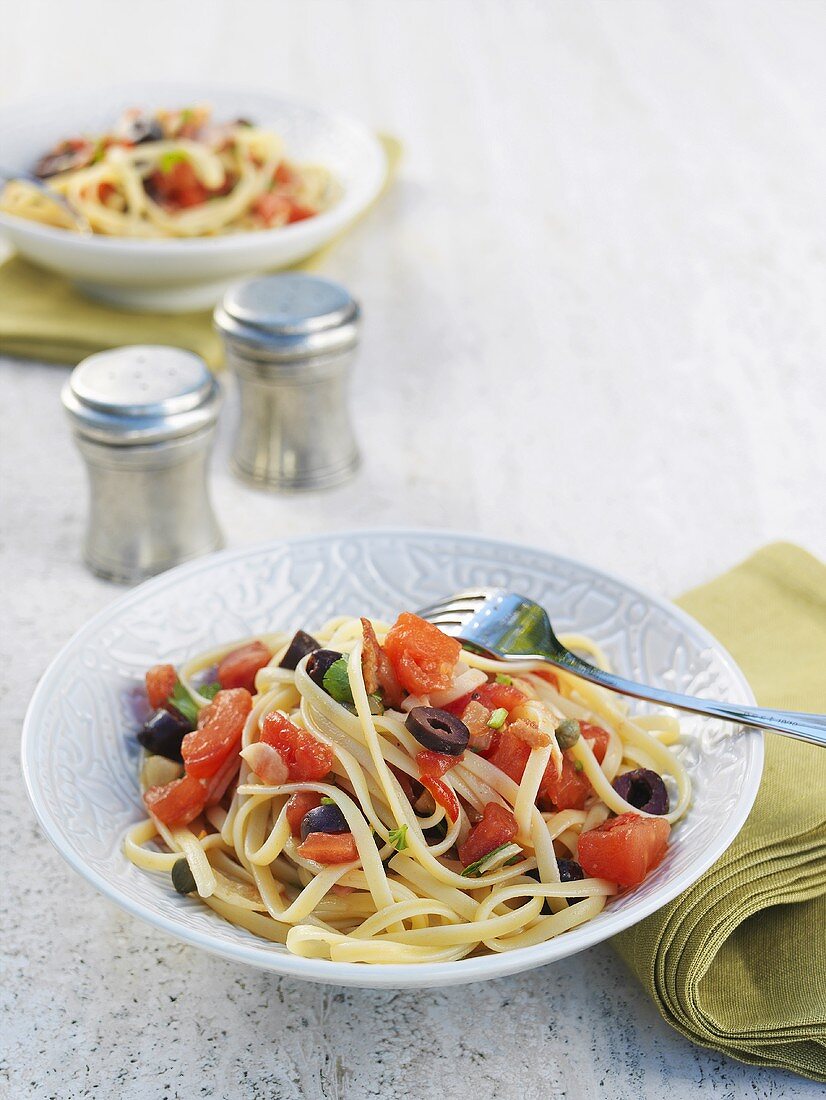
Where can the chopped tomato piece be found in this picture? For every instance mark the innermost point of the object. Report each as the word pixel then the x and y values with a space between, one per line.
pixel 298 212
pixel 597 738
pixel 624 849
pixel 306 757
pixel 179 186
pixel 272 209
pixel 105 191
pixel 218 735
pixel 329 848
pixel 160 683
pixel 238 669
pixel 176 803
pixel 497 827
pixel 493 696
pixel 298 805
pixel 436 764
pixel 284 174
pixel 423 658
pixel 443 794
pixel 548 676
pixel 567 791
pixel 510 754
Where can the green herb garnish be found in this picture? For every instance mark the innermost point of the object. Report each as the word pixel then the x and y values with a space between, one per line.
pixel 398 838
pixel 167 161
pixel 579 766
pixel 501 678
pixel 209 691
pixel 474 870
pixel 183 702
pixel 327 801
pixel 337 683
pixel 497 719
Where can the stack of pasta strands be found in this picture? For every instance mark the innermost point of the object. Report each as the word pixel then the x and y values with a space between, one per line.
pixel 407 895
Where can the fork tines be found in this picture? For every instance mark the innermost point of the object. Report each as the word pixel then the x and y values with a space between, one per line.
pixel 455 609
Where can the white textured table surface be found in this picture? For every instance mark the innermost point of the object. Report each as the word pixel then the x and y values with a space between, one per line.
pixel 595 322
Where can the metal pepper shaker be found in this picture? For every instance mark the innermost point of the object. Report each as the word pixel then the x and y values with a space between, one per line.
pixel 290 341
pixel 143 418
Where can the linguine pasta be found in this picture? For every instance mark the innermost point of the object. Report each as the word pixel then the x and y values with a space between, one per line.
pixel 171 174
pixel 410 892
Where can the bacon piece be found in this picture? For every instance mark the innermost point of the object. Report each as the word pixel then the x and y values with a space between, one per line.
pixel 377 670
pixel 530 733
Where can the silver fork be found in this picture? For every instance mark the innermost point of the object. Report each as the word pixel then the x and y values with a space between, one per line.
pixel 498 623
pixel 81 221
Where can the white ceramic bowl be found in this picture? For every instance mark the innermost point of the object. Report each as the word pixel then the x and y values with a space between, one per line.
pixel 80 759
pixel 175 275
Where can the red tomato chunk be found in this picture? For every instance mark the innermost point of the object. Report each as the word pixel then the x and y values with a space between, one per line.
pixel 597 738
pixel 177 803
pixel 218 736
pixel 436 763
pixel 160 683
pixel 624 849
pixel 298 805
pixel 329 848
pixel 307 759
pixel 548 676
pixel 497 827
pixel 238 669
pixel 568 791
pixel 442 794
pixel 423 658
pixel 493 696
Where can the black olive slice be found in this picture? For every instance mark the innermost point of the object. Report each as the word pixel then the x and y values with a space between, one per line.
pixel 644 789
pixel 163 733
pixel 570 871
pixel 323 819
pixel 438 730
pixel 302 644
pixel 319 662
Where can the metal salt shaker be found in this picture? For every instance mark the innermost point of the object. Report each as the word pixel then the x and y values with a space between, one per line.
pixel 290 340
pixel 143 418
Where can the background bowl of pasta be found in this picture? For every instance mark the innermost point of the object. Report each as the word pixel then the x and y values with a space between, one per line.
pixel 189 250
pixel 81 759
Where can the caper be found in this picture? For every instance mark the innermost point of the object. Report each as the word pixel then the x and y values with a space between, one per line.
pixel 567 733
pixel 182 877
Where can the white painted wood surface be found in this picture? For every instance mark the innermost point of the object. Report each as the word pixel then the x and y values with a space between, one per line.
pixel 595 322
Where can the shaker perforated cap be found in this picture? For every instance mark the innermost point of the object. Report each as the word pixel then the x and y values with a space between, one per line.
pixel 289 316
pixel 143 393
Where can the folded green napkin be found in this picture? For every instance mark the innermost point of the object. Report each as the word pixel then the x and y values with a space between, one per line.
pixel 738 962
pixel 42 316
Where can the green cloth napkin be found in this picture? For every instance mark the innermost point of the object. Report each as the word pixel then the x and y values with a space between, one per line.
pixel 42 316
pixel 738 962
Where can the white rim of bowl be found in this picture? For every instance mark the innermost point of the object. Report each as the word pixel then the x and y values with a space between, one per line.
pixel 419 975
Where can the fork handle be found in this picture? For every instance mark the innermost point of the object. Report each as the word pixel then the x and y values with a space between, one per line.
pixel 798 724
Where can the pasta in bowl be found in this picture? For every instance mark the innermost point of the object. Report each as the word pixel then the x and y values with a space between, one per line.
pixel 379 795
pixel 82 761
pixel 171 173
pixel 160 205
